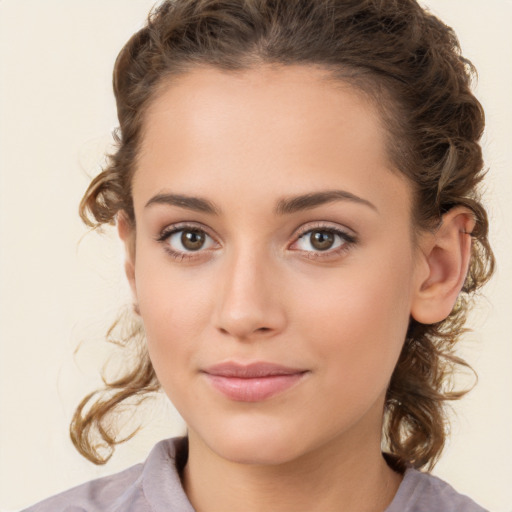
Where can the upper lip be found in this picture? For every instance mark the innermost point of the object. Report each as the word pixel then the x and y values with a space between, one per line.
pixel 250 371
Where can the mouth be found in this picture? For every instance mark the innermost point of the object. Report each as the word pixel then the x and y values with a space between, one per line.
pixel 254 382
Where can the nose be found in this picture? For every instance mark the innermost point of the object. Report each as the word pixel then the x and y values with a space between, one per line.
pixel 250 303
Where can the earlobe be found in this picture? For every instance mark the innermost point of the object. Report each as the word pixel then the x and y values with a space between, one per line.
pixel 126 233
pixel 447 256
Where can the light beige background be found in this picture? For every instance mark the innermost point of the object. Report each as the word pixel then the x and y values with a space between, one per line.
pixel 56 114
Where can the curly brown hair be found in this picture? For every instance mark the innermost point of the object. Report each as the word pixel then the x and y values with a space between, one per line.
pixel 410 64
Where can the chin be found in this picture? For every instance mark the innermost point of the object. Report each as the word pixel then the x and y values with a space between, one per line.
pixel 255 446
pixel 264 453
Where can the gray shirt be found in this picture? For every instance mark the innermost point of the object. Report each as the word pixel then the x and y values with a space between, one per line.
pixel 155 486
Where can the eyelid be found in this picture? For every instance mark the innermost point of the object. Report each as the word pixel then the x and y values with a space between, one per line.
pixel 349 238
pixel 183 226
pixel 170 230
pixel 327 226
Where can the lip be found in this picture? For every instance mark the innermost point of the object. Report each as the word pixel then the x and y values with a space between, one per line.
pixel 253 382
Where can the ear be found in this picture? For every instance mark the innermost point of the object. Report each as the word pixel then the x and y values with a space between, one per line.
pixel 126 231
pixel 447 255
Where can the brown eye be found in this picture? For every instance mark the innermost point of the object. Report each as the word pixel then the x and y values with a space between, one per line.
pixel 192 240
pixel 322 240
pixel 187 240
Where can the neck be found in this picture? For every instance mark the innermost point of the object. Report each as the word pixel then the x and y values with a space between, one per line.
pixel 333 477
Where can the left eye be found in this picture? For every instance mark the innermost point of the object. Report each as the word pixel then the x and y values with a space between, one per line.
pixel 189 240
pixel 321 240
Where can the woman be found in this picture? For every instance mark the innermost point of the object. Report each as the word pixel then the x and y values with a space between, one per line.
pixel 296 188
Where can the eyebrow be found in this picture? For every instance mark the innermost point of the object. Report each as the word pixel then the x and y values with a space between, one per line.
pixel 197 204
pixel 284 206
pixel 307 201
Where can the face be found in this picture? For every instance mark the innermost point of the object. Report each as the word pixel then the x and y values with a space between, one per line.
pixel 274 267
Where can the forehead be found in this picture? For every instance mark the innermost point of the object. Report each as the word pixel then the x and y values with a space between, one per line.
pixel 298 102
pixel 287 128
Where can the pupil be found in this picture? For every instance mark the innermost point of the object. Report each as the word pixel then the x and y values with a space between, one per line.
pixel 322 240
pixel 192 240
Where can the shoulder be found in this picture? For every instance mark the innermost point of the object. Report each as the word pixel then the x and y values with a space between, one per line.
pixel 140 488
pixel 423 492
pixel 92 496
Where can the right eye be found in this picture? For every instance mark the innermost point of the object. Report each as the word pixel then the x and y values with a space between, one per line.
pixel 182 242
pixel 189 240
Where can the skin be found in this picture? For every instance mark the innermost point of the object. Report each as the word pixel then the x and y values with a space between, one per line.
pixel 260 290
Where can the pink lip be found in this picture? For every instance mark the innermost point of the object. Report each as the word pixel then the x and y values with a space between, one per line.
pixel 254 382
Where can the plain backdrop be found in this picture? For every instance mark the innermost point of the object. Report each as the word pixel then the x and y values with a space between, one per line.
pixel 60 288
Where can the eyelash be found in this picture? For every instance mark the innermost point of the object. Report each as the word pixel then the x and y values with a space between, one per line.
pixel 347 241
pixel 178 228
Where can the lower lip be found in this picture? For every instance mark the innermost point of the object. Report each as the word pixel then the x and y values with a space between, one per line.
pixel 254 389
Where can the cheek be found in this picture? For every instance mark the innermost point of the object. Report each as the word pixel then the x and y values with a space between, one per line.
pixel 174 317
pixel 358 320
pixel 175 309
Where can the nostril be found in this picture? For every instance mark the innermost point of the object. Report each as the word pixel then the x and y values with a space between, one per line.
pixel 260 330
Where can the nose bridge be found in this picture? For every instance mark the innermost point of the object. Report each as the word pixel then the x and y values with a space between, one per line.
pixel 249 301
